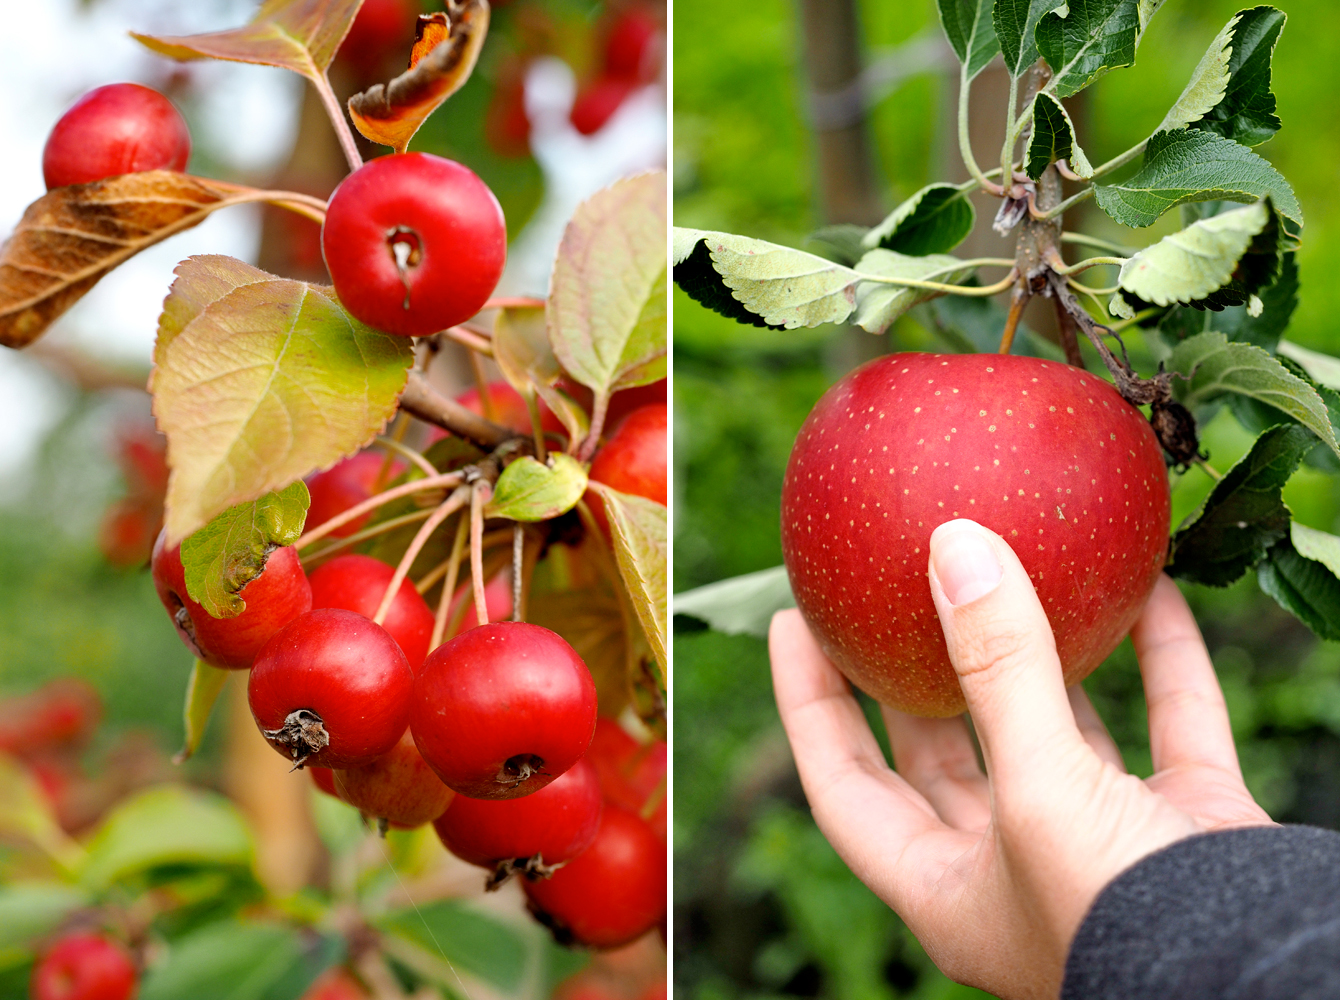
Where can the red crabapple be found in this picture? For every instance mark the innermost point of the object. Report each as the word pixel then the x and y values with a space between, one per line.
pixel 347 484
pixel 398 787
pixel 122 128
pixel 358 583
pixel 84 967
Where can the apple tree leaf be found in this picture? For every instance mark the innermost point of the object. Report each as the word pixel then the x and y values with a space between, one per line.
pixel 258 380
pixel 741 605
pixel 1323 368
pixel 202 691
pixel 1246 113
pixel 1190 165
pixel 1215 366
pixel 1054 139
pixel 1015 22
pixel 32 910
pixel 70 237
pixel 879 304
pixel 241 960
pixel 446 48
pixel 1093 37
pixel 1302 573
pixel 529 490
pixel 763 283
pixel 608 297
pixel 27 813
pixel 1147 10
pixel 1244 515
pixel 638 527
pixel 934 220
pixel 166 825
pixel 1264 330
pixel 1217 261
pixel 967 25
pixel 220 559
pixel 522 350
pixel 298 35
pixel 1208 83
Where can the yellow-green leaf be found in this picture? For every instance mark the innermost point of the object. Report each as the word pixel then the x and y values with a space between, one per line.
pixel 202 691
pixel 532 491
pixel 229 552
pixel 258 380
pixel 638 527
pixel 299 35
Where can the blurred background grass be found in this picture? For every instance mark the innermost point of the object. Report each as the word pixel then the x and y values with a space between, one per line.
pixel 762 905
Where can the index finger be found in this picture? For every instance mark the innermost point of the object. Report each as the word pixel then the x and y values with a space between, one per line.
pixel 869 814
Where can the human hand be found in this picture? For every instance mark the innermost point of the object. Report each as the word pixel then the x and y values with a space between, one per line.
pixel 994 873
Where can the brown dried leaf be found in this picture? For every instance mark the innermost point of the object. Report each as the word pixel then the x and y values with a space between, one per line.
pixel 444 55
pixel 300 35
pixel 72 236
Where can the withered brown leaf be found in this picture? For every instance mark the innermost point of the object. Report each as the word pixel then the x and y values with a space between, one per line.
pixel 445 51
pixel 72 236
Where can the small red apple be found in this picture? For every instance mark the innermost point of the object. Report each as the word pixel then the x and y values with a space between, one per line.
pixel 398 787
pixel 84 967
pixel 1045 455
pixel 631 773
pixel 358 583
pixel 347 484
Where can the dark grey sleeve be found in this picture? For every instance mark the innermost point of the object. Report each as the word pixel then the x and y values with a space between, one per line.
pixel 1239 915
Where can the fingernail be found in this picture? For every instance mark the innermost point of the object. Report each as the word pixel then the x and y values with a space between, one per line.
pixel 965 564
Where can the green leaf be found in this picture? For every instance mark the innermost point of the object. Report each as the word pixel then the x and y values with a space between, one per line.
pixel 32 909
pixel 166 825
pixel 638 527
pixel 843 242
pixel 234 961
pixel 26 814
pixel 974 324
pixel 696 275
pixel 934 220
pixel 530 491
pixel 466 936
pixel 258 380
pixel 1244 515
pixel 202 691
pixel 1223 259
pixel 607 298
pixel 299 35
pixel 1278 303
pixel 1148 8
pixel 967 25
pixel 878 304
pixel 1301 572
pixel 1217 366
pixel 1246 113
pixel 1015 22
pixel 230 551
pixel 1322 367
pixel 781 286
pixel 742 605
pixel 1207 85
pixel 1188 165
pixel 522 350
pixel 1054 139
pixel 1093 37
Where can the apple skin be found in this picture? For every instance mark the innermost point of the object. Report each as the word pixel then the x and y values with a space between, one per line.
pixel 346 484
pixel 634 460
pixel 1047 456
pixel 84 967
pixel 122 128
pixel 274 598
pixel 357 583
pixel 630 772
pixel 398 786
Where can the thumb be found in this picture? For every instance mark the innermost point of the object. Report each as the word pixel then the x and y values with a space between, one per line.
pixel 1002 648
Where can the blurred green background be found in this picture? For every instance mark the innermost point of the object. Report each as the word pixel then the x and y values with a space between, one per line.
pixel 763 907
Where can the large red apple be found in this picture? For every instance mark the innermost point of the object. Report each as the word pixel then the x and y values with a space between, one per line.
pixel 1046 455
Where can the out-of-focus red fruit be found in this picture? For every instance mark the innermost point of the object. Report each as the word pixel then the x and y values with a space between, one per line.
pixel 129 527
pixel 633 460
pixel 622 403
pixel 142 455
pixel 358 583
pixel 551 826
pixel 332 687
pixel 631 773
pixel 610 894
pixel 383 30
pixel 324 779
pixel 61 712
pixel 502 710
pixel 122 128
pixel 509 409
pixel 274 598
pixel 398 787
pixel 345 485
pixel 84 967
pixel 506 125
pixel 598 101
pixel 628 47
pixel 335 984
pixel 497 604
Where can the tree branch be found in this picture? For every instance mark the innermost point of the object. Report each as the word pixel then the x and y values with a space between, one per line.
pixel 423 401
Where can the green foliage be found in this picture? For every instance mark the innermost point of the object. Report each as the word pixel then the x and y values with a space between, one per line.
pixel 934 220
pixel 1246 113
pixel 967 25
pixel 1300 572
pixel 1054 139
pixel 1094 36
pixel 1015 22
pixel 1182 166
pixel 529 490
pixel 240 961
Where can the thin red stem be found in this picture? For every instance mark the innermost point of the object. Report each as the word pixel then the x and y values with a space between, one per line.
pixel 452 504
pixel 373 502
pixel 482 492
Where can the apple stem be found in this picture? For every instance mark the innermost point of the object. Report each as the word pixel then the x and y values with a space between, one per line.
pixel 466 337
pixel 449 585
pixel 392 444
pixel 482 386
pixel 421 400
pixel 449 479
pixel 380 528
pixel 480 494
pixel 513 302
pixel 452 504
pixel 602 403
pixel 1017 303
pixel 518 560
pixel 336 113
